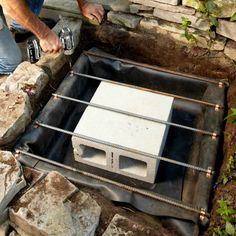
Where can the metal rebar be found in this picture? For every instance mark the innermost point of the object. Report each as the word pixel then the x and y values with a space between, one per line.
pixel 216 106
pixel 220 83
pixel 197 168
pixel 149 194
pixel 136 115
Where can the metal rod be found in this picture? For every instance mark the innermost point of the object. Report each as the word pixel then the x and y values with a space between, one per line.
pixel 197 168
pixel 135 115
pixel 216 106
pixel 152 67
pixel 149 194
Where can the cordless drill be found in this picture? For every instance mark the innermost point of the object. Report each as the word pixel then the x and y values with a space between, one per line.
pixel 34 50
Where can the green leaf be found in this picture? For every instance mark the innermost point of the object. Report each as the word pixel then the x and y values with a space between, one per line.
pixel 213 21
pixel 211 6
pixel 232 117
pixel 233 17
pixel 225 179
pixel 229 228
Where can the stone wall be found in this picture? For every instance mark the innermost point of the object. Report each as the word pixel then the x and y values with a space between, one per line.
pixel 165 17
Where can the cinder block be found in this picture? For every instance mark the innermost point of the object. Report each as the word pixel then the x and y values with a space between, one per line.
pixel 129 134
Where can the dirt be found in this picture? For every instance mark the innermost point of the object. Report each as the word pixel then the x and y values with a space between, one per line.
pixel 161 51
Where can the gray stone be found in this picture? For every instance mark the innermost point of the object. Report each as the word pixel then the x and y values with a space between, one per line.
pixel 27 77
pixel 55 63
pixel 113 5
pixel 135 8
pixel 3 79
pixel 154 3
pixel 67 6
pixel 4 228
pixel 226 7
pixel 230 50
pixel 175 32
pixel 128 20
pixel 72 5
pixel 166 7
pixel 85 213
pixel 177 18
pixel 121 225
pixel 54 206
pixel 15 115
pixel 227 29
pixel 11 179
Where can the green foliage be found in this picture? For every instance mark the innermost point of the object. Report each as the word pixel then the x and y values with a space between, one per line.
pixel 209 11
pixel 230 170
pixel 185 26
pixel 229 217
pixel 233 17
pixel 232 117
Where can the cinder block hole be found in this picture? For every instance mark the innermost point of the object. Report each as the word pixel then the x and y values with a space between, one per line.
pixel 92 154
pixel 133 166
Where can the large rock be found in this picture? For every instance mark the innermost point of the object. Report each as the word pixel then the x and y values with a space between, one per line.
pixel 170 2
pixel 177 18
pixel 4 228
pixel 113 5
pixel 54 207
pixel 121 225
pixel 72 5
pixel 136 8
pixel 27 77
pixel 230 50
pixel 15 115
pixel 227 29
pixel 166 7
pixel 11 179
pixel 175 32
pixel 128 20
pixel 226 7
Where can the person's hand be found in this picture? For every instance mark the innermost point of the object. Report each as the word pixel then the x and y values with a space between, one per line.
pixel 93 11
pixel 51 43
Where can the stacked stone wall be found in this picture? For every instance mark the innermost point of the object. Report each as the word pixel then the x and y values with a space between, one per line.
pixel 166 17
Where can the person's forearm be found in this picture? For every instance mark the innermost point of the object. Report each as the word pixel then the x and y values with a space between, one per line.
pixel 19 11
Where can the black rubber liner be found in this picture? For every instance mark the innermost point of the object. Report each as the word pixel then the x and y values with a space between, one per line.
pixel 191 187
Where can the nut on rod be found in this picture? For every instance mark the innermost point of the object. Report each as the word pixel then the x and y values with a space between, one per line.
pixel 169 160
pixel 147 90
pixel 212 134
pixel 146 193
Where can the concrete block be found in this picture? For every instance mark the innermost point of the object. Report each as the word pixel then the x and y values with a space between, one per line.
pixel 124 131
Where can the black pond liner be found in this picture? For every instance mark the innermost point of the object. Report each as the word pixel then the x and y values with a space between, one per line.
pixel 173 182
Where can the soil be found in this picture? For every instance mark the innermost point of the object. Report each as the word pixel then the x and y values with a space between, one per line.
pixel 161 51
